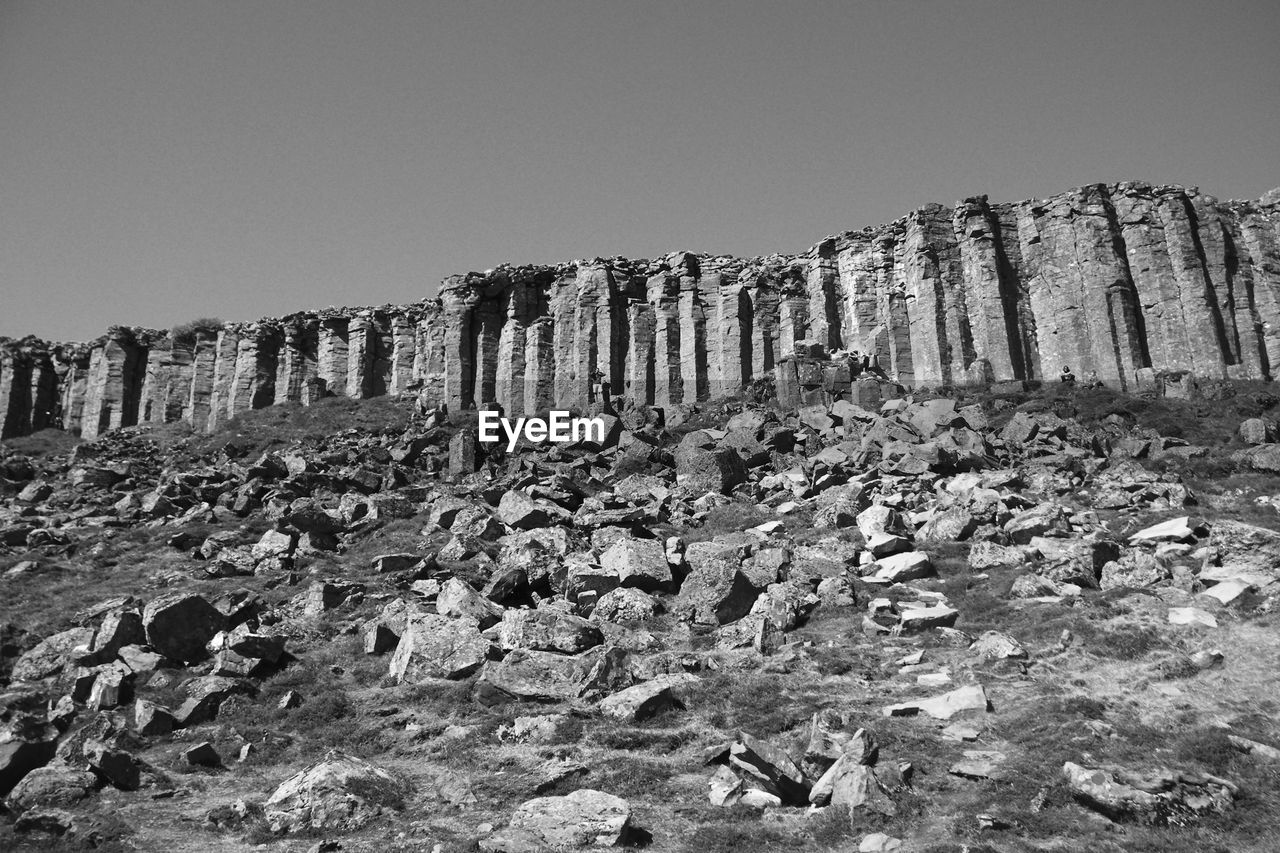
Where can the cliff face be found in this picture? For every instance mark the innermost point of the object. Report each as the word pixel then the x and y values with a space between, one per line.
pixel 1120 279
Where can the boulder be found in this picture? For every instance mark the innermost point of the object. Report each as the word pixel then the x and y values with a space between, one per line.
pixel 899 568
pixel 338 793
pixel 459 600
pixel 435 646
pixel 179 625
pixel 647 699
pixel 55 786
pixel 640 563
pixel 1156 797
pixel 546 676
pixel 547 630
pixel 26 742
pixel 969 698
pixel 50 655
pixel 626 605
pixel 769 768
pixel 584 818
pixel 700 470
pixel 715 593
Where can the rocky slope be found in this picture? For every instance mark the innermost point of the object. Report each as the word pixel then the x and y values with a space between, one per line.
pixel 1000 624
pixel 1126 280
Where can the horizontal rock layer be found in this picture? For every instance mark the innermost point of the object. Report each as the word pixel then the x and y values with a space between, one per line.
pixel 1108 279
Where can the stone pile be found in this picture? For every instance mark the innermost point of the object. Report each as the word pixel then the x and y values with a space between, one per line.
pixel 540 575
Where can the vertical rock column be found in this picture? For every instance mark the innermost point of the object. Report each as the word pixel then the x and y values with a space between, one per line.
pixel 1260 238
pixel 693 330
pixel 513 350
pixel 991 302
pixel 360 354
pixel 297 361
pixel 539 365
pixel 1206 334
pixel 640 353
pixel 225 353
pixel 725 341
pixel 668 378
pixel 72 364
pixel 117 368
pixel 1231 290
pixel 403 352
pixel 1146 250
pixel 823 286
pixel 429 356
pixel 257 364
pixel 15 394
pixel 200 402
pixel 457 300
pixel 331 353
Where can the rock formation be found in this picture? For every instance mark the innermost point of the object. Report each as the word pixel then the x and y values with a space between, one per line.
pixel 1124 280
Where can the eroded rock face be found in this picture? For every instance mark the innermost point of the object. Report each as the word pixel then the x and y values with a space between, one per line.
pixel 1125 280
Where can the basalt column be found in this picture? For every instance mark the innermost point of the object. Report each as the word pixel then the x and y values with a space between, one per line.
pixel 457 301
pixel 668 378
pixel 297 359
pixel 693 330
pixel 257 363
pixel 15 394
pixel 72 364
pixel 403 353
pixel 1241 345
pixel 1260 241
pixel 331 354
pixel 725 341
pixel 823 286
pixel 510 390
pixel 1206 334
pixel 992 297
pixel 640 380
pixel 200 402
pixel 166 387
pixel 225 353
pixel 116 370
pixel 429 372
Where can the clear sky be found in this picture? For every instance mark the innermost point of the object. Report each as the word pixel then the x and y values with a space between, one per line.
pixel 162 160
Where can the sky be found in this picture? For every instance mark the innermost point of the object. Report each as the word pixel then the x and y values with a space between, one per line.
pixel 162 160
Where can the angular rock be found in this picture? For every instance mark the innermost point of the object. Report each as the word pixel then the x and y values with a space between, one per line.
pixel 435 646
pixel 340 792
pixel 179 625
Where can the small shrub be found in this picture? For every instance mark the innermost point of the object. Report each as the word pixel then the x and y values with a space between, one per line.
pixel 185 334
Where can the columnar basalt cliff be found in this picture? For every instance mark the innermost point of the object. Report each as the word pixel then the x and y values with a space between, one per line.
pixel 1123 280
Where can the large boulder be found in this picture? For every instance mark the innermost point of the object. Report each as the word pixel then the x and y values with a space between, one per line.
pixel 179 625
pixel 55 786
pixel 638 563
pixel 547 630
pixel 546 676
pixel 458 599
pixel 518 510
pixel 715 593
pixel 584 818
pixel 50 655
pixel 1156 797
pixel 26 742
pixel 340 792
pixel 1246 547
pixel 701 469
pixel 435 646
